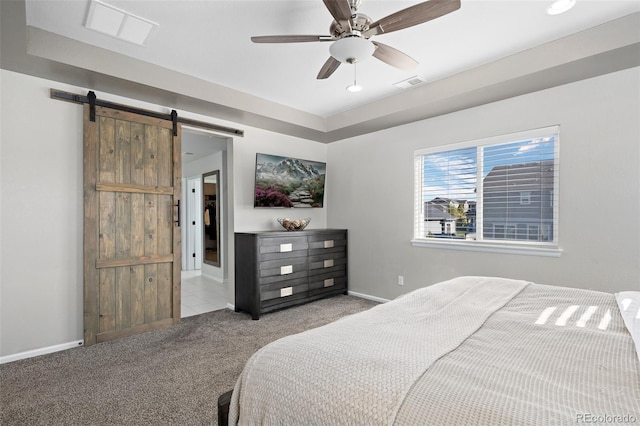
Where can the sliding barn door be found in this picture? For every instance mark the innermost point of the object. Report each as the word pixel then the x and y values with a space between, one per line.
pixel 132 167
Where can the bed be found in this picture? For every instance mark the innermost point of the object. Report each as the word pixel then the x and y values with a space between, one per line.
pixel 472 350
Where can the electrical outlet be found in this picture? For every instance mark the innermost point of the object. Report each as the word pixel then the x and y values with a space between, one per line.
pixel 400 280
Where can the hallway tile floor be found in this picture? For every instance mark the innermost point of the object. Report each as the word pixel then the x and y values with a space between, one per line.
pixel 201 294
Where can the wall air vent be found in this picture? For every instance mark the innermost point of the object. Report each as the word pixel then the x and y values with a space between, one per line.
pixel 110 20
pixel 410 82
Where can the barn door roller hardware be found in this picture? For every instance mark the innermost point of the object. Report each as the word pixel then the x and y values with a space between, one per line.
pixel 92 100
pixel 174 120
pixel 92 106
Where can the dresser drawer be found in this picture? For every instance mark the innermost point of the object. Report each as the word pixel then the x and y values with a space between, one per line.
pixel 283 302
pixel 328 282
pixel 327 262
pixel 279 278
pixel 335 242
pixel 278 248
pixel 283 289
pixel 283 267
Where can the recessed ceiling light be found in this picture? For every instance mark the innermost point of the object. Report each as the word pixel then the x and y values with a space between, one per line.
pixel 110 20
pixel 354 88
pixel 560 6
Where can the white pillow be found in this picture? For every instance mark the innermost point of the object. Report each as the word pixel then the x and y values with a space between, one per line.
pixel 629 305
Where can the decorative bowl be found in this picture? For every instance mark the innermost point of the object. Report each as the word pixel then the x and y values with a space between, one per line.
pixel 294 224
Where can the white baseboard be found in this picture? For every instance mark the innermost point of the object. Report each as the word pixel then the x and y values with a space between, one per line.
pixel 41 351
pixel 368 297
pixel 71 345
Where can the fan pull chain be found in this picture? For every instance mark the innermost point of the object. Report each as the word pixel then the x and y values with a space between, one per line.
pixel 354 87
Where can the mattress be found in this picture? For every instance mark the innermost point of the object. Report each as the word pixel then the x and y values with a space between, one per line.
pixel 472 350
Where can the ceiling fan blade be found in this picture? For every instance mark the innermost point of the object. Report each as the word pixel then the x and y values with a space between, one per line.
pixel 341 12
pixel 411 16
pixel 290 38
pixel 328 68
pixel 394 57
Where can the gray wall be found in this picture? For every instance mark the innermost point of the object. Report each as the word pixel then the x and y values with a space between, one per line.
pixel 371 191
pixel 41 217
pixel 41 209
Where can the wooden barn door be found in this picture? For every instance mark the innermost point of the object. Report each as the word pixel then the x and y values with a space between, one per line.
pixel 132 168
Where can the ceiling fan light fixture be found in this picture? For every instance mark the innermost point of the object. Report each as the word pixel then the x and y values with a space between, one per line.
pixel 350 31
pixel 351 49
pixel 560 6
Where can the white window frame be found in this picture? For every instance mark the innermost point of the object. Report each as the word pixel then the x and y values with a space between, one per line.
pixel 524 247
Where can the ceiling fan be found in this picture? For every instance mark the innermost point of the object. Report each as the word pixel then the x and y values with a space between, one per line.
pixel 351 30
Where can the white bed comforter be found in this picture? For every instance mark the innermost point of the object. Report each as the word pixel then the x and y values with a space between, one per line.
pixel 472 350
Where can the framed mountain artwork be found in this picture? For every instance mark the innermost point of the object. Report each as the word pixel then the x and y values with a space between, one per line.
pixel 288 182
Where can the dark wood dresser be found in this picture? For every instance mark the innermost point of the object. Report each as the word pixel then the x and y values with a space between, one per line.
pixel 276 269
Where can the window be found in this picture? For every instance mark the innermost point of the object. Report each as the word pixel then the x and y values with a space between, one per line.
pixel 495 193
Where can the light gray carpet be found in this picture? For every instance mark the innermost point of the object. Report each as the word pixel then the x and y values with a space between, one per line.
pixel 167 377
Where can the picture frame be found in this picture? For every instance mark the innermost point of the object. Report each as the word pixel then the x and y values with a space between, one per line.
pixel 287 182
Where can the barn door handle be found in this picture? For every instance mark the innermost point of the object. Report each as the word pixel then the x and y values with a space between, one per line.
pixel 177 222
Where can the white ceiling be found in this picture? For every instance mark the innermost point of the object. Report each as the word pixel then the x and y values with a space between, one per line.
pixel 197 144
pixel 211 40
pixel 200 58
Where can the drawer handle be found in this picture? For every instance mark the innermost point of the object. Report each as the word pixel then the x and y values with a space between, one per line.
pixel 286 247
pixel 328 244
pixel 328 263
pixel 284 270
pixel 328 282
pixel 287 291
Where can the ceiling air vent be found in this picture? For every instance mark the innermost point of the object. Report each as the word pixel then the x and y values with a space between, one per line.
pixel 107 19
pixel 410 82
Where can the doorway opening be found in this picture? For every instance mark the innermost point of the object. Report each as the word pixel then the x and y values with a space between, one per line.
pixel 205 190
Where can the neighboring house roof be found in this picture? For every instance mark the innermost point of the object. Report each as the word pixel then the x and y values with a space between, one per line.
pixel 440 201
pixel 447 201
pixel 520 177
pixel 434 212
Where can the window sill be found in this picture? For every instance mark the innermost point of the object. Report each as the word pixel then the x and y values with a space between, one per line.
pixel 489 248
